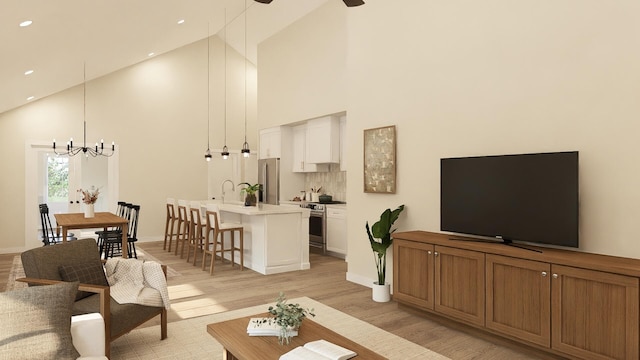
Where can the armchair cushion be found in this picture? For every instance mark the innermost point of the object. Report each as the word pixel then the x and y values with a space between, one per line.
pixel 36 322
pixel 89 272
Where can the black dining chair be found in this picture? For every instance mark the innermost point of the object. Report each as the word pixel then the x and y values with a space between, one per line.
pixel 115 231
pixel 113 241
pixel 50 236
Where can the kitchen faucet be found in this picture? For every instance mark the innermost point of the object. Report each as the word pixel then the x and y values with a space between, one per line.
pixel 233 188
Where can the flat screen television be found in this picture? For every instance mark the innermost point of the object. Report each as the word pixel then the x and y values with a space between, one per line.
pixel 524 197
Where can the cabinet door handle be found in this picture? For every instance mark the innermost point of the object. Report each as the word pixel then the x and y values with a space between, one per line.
pixel 544 274
pixel 555 276
pixel 436 253
pixel 429 252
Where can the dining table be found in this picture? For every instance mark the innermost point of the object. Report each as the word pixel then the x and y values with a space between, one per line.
pixel 103 220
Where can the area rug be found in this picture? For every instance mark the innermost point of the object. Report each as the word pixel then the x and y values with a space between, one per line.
pixel 17 271
pixel 188 339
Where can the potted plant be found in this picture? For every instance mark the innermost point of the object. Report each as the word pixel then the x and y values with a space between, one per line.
pixel 380 240
pixel 288 317
pixel 250 199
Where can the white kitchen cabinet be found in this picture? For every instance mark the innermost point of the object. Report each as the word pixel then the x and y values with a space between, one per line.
pixel 300 163
pixel 343 147
pixel 270 143
pixel 337 230
pixel 323 140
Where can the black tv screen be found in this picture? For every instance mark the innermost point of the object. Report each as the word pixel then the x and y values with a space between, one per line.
pixel 525 197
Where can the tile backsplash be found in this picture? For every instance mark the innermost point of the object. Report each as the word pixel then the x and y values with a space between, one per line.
pixel 333 182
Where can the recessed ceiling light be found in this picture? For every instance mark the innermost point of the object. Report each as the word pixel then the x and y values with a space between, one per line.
pixel 181 21
pixel 28 72
pixel 26 23
pixel 151 54
pixel 30 98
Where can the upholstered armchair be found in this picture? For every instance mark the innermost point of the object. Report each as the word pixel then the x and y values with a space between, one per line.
pixel 80 261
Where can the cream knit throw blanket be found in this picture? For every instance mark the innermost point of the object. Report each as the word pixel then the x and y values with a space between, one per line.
pixel 138 282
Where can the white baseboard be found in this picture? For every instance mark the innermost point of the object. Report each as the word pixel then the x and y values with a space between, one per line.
pixel 14 250
pixel 363 280
pixel 359 279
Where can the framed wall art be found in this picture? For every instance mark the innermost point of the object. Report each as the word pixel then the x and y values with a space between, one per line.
pixel 380 160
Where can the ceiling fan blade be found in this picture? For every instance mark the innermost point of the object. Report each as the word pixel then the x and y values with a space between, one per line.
pixel 351 3
pixel 264 1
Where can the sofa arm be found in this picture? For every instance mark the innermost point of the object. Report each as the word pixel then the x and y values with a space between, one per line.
pixel 87 332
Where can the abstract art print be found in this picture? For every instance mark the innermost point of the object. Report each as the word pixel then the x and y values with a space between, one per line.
pixel 380 160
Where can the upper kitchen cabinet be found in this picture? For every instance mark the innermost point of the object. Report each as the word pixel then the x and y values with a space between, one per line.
pixel 300 161
pixel 270 143
pixel 323 140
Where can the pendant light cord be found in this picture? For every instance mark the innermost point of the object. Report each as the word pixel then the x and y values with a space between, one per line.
pixel 245 72
pixel 225 77
pixel 208 89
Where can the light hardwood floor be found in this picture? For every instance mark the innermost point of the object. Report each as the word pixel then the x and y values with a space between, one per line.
pixel 195 293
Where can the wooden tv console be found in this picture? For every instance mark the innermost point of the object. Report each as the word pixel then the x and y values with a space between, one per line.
pixel 569 303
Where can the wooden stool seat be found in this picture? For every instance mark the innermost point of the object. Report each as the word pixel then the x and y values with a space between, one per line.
pixel 170 230
pixel 196 232
pixel 214 239
pixel 183 226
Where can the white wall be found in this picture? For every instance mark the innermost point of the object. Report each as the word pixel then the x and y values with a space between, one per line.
pixel 156 112
pixel 463 78
pixel 302 73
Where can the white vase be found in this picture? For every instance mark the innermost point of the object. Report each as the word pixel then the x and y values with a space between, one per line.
pixel 381 293
pixel 88 211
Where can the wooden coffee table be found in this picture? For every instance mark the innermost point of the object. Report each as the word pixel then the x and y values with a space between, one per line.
pixel 238 345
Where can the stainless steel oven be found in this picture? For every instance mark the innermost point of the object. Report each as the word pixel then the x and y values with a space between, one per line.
pixel 317 227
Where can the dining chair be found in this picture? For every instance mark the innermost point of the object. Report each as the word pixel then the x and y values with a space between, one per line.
pixel 113 240
pixel 169 228
pixel 183 226
pixel 50 236
pixel 116 230
pixel 214 243
pixel 196 231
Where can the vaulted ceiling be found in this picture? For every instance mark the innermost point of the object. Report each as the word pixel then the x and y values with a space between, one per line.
pixel 107 35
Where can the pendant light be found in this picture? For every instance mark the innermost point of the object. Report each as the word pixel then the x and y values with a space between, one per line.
pixel 245 147
pixel 207 154
pixel 72 151
pixel 225 149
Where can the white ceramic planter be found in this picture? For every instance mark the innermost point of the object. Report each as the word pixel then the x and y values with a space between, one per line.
pixel 381 293
pixel 88 211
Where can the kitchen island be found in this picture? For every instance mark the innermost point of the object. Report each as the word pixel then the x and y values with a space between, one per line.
pixel 276 238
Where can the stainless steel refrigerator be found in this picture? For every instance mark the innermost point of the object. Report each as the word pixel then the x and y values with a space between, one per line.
pixel 269 177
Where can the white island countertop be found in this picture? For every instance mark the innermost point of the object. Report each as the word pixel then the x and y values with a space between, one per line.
pixel 262 209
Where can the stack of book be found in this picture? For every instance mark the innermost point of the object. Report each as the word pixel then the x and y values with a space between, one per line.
pixel 265 327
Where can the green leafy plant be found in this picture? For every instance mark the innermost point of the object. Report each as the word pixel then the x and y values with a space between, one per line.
pixel 250 199
pixel 380 239
pixel 250 189
pixel 288 317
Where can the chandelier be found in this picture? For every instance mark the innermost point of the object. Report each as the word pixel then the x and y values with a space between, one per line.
pixel 98 150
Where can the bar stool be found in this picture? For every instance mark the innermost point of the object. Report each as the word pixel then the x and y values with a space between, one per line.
pixel 183 226
pixel 214 238
pixel 169 228
pixel 196 231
